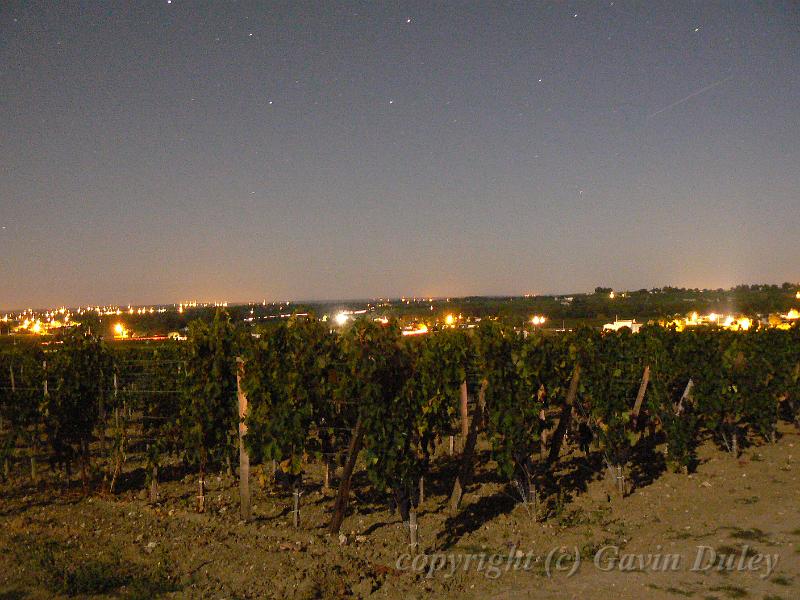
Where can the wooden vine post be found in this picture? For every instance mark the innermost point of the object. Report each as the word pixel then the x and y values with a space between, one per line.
pixel 412 527
pixel 795 412
pixel 464 476
pixel 296 506
pixel 35 445
pixel 154 470
pixel 244 457
pixel 637 407
pixel 464 412
pixel 687 395
pixel 326 479
pixel 343 495
pixel 566 417
pixel 6 466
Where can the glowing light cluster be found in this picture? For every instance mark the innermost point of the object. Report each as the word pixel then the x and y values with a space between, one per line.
pixel 420 329
pixel 537 320
pixel 731 322
pixel 37 326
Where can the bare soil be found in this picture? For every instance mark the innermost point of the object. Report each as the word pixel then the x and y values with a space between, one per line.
pixel 56 542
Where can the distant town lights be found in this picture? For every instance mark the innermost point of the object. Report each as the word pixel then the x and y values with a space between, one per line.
pixel 449 320
pixel 341 318
pixel 538 320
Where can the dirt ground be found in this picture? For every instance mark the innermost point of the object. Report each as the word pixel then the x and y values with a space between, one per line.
pixel 742 515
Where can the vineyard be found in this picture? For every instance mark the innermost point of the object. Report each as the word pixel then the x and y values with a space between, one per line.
pixel 297 409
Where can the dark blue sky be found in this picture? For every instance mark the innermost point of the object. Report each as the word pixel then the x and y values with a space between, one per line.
pixel 160 151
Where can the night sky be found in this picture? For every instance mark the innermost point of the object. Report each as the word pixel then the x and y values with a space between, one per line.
pixel 163 151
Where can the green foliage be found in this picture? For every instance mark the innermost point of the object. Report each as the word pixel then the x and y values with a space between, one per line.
pixel 440 362
pixel 376 369
pixel 149 379
pixel 774 367
pixel 209 412
pixel 612 372
pixel 717 364
pixel 308 387
pixel 78 373
pixel 21 389
pixel 421 412
pixel 290 379
pixel 665 351
pixel 513 403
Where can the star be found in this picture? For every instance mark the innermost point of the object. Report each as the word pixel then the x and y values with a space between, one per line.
pixel 696 29
pixel 391 101
pixel 408 20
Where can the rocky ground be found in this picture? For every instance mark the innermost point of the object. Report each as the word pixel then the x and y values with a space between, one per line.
pixel 742 515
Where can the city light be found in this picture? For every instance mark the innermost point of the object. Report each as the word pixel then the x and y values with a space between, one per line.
pixel 449 320
pixel 420 330
pixel 793 314
pixel 538 320
pixel 120 332
pixel 341 318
